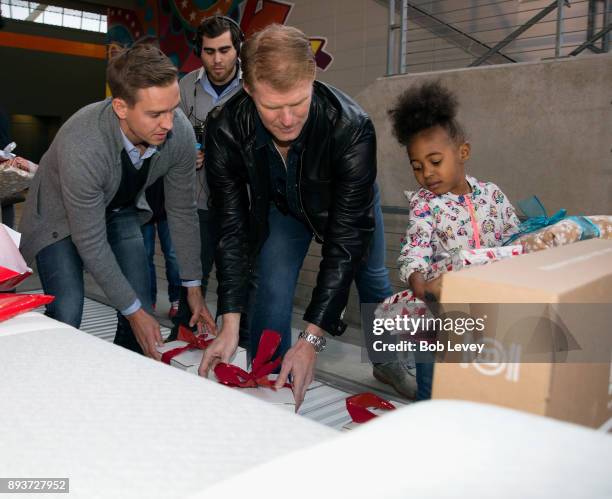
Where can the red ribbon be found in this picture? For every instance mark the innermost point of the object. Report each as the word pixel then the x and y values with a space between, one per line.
pixel 194 342
pixel 231 375
pixel 357 406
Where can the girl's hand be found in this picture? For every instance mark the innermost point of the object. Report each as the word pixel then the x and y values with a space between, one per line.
pixel 434 287
pixel 417 284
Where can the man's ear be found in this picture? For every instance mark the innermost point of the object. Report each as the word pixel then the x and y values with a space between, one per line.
pixel 247 89
pixel 120 107
pixel 464 151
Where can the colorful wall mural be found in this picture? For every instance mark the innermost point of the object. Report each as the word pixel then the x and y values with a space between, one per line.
pixel 174 22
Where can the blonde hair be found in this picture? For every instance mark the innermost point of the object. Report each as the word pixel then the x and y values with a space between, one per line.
pixel 278 55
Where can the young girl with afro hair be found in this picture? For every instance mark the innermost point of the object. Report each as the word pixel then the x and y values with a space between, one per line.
pixel 452 210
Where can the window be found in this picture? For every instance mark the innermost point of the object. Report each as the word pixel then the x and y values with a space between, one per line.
pixel 56 16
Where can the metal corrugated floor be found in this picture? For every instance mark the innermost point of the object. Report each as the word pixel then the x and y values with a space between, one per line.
pixel 324 403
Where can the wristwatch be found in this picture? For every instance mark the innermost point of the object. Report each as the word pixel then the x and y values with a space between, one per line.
pixel 318 342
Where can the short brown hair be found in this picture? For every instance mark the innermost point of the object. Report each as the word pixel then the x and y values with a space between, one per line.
pixel 141 66
pixel 278 55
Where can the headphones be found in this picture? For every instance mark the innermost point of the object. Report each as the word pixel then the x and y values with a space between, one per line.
pixel 235 31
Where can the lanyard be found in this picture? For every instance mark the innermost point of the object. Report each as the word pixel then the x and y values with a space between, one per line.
pixel 473 220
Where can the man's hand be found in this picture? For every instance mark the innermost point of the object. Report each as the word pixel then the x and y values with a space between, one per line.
pixel 299 361
pixel 224 345
pixel 199 159
pixel 199 310
pixel 146 330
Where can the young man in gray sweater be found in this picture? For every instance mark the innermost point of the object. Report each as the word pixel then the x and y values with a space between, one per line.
pixel 86 203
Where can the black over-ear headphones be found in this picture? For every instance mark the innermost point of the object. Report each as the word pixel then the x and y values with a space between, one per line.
pixel 235 31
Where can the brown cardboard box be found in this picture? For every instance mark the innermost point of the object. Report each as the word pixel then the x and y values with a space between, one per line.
pixel 579 273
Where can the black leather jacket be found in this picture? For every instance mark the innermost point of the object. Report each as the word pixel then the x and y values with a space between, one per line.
pixel 336 174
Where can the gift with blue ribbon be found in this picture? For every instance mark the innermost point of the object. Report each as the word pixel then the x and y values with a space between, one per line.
pixel 537 218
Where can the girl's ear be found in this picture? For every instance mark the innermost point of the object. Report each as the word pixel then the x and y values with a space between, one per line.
pixel 464 151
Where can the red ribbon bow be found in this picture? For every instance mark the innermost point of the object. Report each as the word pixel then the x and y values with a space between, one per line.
pixel 194 342
pixel 231 375
pixel 357 406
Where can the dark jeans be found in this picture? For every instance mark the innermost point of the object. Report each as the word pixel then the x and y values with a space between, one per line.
pixel 8 215
pixel 278 267
pixel 61 273
pixel 172 269
pixel 424 377
pixel 208 242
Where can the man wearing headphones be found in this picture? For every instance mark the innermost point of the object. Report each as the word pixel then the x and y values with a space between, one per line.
pixel 217 44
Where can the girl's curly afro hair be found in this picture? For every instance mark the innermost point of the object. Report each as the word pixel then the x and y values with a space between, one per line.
pixel 422 107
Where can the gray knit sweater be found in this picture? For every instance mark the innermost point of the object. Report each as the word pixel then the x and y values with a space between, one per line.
pixel 79 176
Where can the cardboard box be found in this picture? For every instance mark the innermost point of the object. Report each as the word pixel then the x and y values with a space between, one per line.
pixel 579 273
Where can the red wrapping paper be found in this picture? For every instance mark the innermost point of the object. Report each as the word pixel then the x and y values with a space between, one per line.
pixel 10 279
pixel 357 406
pixel 12 304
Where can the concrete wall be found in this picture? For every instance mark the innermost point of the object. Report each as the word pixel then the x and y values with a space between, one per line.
pixel 356 32
pixel 540 128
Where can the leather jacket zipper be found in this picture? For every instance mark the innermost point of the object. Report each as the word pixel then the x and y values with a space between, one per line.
pixel 299 189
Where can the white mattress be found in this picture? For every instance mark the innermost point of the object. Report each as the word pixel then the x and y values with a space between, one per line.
pixel 120 425
pixel 440 449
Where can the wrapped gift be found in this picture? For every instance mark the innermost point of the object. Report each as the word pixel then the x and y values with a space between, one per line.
pixel 461 258
pixel 259 382
pixel 13 268
pixel 539 231
pixel 404 302
pixel 283 397
pixel 186 352
pixel 567 231
pixel 12 178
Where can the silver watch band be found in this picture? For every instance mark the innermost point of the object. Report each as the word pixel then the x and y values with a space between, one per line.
pixel 318 342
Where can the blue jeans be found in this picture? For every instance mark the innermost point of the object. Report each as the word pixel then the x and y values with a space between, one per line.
pixel 61 273
pixel 8 215
pixel 424 378
pixel 172 269
pixel 278 267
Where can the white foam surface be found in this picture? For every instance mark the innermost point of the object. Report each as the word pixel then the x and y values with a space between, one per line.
pixel 113 421
pixel 441 449
pixel 29 322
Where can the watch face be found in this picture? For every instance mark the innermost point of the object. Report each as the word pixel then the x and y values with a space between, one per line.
pixel 320 344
